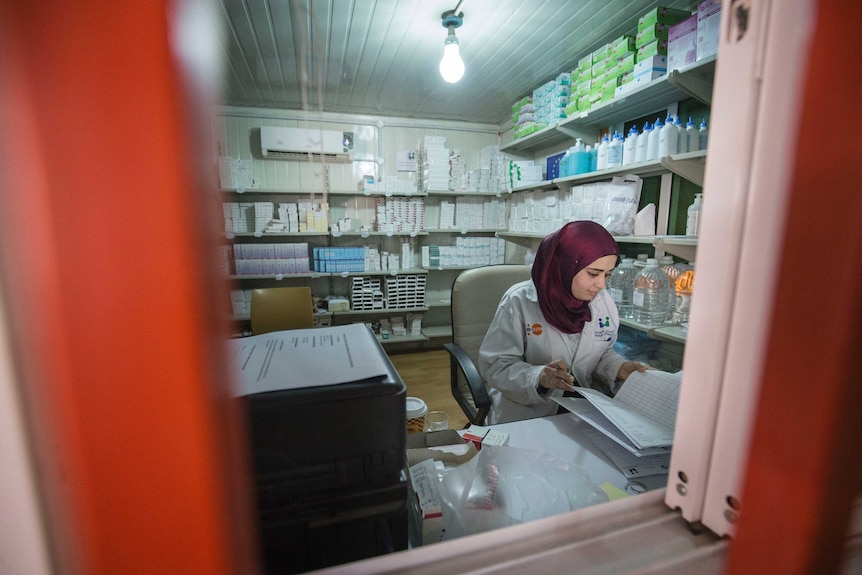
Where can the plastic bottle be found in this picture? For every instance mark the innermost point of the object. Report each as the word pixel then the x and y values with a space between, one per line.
pixel 703 135
pixel 582 158
pixel 602 156
pixel 615 151
pixel 593 157
pixel 640 261
pixel 642 143
pixel 652 142
pixel 684 288
pixel 692 221
pixel 692 137
pixel 680 136
pixel 629 146
pixel 567 163
pixel 651 294
pixel 667 266
pixel 621 286
pixel 667 139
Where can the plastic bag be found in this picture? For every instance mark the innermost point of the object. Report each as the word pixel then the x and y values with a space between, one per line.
pixel 507 485
pixel 623 196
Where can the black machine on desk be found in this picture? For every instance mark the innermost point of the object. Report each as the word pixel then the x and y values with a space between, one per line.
pixel 330 471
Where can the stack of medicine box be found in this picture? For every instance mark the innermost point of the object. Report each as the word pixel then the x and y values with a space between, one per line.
pixel 434 159
pixel 491 167
pixel 524 117
pixel 270 259
pixel 400 215
pixel 405 291
pixel 696 37
pixel 339 259
pixel 523 172
pixel 365 294
pixel 550 99
pixel 582 78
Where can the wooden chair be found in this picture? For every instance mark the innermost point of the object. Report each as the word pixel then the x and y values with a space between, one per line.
pixel 275 309
pixel 476 295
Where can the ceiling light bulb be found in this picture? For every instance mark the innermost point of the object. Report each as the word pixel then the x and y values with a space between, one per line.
pixel 451 66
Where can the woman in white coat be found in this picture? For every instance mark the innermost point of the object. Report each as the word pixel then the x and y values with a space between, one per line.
pixel 557 330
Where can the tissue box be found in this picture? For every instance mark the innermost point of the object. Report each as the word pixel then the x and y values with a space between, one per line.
pixel 682 44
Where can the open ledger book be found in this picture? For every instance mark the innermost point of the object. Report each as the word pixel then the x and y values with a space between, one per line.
pixel 642 415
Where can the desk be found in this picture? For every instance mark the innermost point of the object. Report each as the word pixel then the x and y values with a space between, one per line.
pixel 564 436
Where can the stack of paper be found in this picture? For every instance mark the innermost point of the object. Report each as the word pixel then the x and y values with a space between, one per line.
pixel 642 415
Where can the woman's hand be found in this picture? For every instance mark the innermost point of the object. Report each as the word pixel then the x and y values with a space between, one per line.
pixel 629 367
pixel 556 376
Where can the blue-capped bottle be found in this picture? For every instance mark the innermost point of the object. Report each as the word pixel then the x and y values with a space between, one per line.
pixel 630 147
pixel 652 142
pixel 703 135
pixel 667 138
pixel 615 151
pixel 692 137
pixel 642 143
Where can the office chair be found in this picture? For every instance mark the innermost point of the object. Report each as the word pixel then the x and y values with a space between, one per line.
pixel 275 309
pixel 476 294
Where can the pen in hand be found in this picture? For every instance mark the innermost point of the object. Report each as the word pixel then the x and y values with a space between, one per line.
pixel 557 376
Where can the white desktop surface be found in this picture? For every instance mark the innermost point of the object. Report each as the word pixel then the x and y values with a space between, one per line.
pixel 563 436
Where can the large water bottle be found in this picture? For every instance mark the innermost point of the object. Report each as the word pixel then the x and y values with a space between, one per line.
pixel 621 285
pixel 651 294
pixel 682 296
pixel 667 266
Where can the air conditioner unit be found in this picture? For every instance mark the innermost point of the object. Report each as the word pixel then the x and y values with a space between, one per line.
pixel 304 144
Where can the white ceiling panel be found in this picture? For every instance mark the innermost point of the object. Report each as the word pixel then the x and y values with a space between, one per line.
pixel 381 57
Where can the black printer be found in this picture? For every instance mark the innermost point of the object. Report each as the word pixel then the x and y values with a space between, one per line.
pixel 329 470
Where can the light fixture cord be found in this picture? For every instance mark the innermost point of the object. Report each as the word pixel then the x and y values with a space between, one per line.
pixel 455 10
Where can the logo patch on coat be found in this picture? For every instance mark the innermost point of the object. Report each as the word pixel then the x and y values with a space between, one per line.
pixel 534 329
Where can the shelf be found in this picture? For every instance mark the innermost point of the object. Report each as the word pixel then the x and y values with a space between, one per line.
pixel 386 311
pixel 233 235
pixel 536 186
pixel 398 272
pixel 437 331
pixel 279 277
pixel 376 234
pixel 377 194
pixel 694 80
pixel 641 169
pixel 690 166
pixel 463 194
pixel 666 332
pixel 272 191
pixel 683 247
pixel 450 268
pixel 401 339
pixel 465 232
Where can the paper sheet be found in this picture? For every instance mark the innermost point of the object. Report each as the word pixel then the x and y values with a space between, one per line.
pixel 305 358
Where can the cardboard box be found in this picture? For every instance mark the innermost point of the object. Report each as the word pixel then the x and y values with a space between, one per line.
pixel 552 168
pixel 654 48
pixel 621 46
pixel 662 15
pixel 654 32
pixel 708 25
pixel 682 44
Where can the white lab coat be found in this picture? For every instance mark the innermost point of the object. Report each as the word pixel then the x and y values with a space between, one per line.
pixel 520 343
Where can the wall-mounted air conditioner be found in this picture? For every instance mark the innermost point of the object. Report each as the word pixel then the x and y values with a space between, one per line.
pixel 304 144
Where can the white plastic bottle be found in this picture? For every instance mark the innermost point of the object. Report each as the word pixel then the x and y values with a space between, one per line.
pixel 615 151
pixel 667 139
pixel 651 295
pixel 703 135
pixel 680 136
pixel 642 143
pixel 692 138
pixel 630 147
pixel 602 157
pixel 652 142
pixel 692 222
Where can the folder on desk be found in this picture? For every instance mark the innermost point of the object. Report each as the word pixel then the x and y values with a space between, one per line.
pixel 642 415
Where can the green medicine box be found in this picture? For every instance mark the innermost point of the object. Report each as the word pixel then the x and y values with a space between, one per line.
pixel 621 46
pixel 662 15
pixel 654 32
pixel 654 48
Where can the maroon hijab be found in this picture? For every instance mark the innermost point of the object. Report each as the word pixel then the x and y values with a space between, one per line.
pixel 561 255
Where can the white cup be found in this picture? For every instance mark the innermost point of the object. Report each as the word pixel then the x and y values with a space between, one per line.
pixel 416 410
